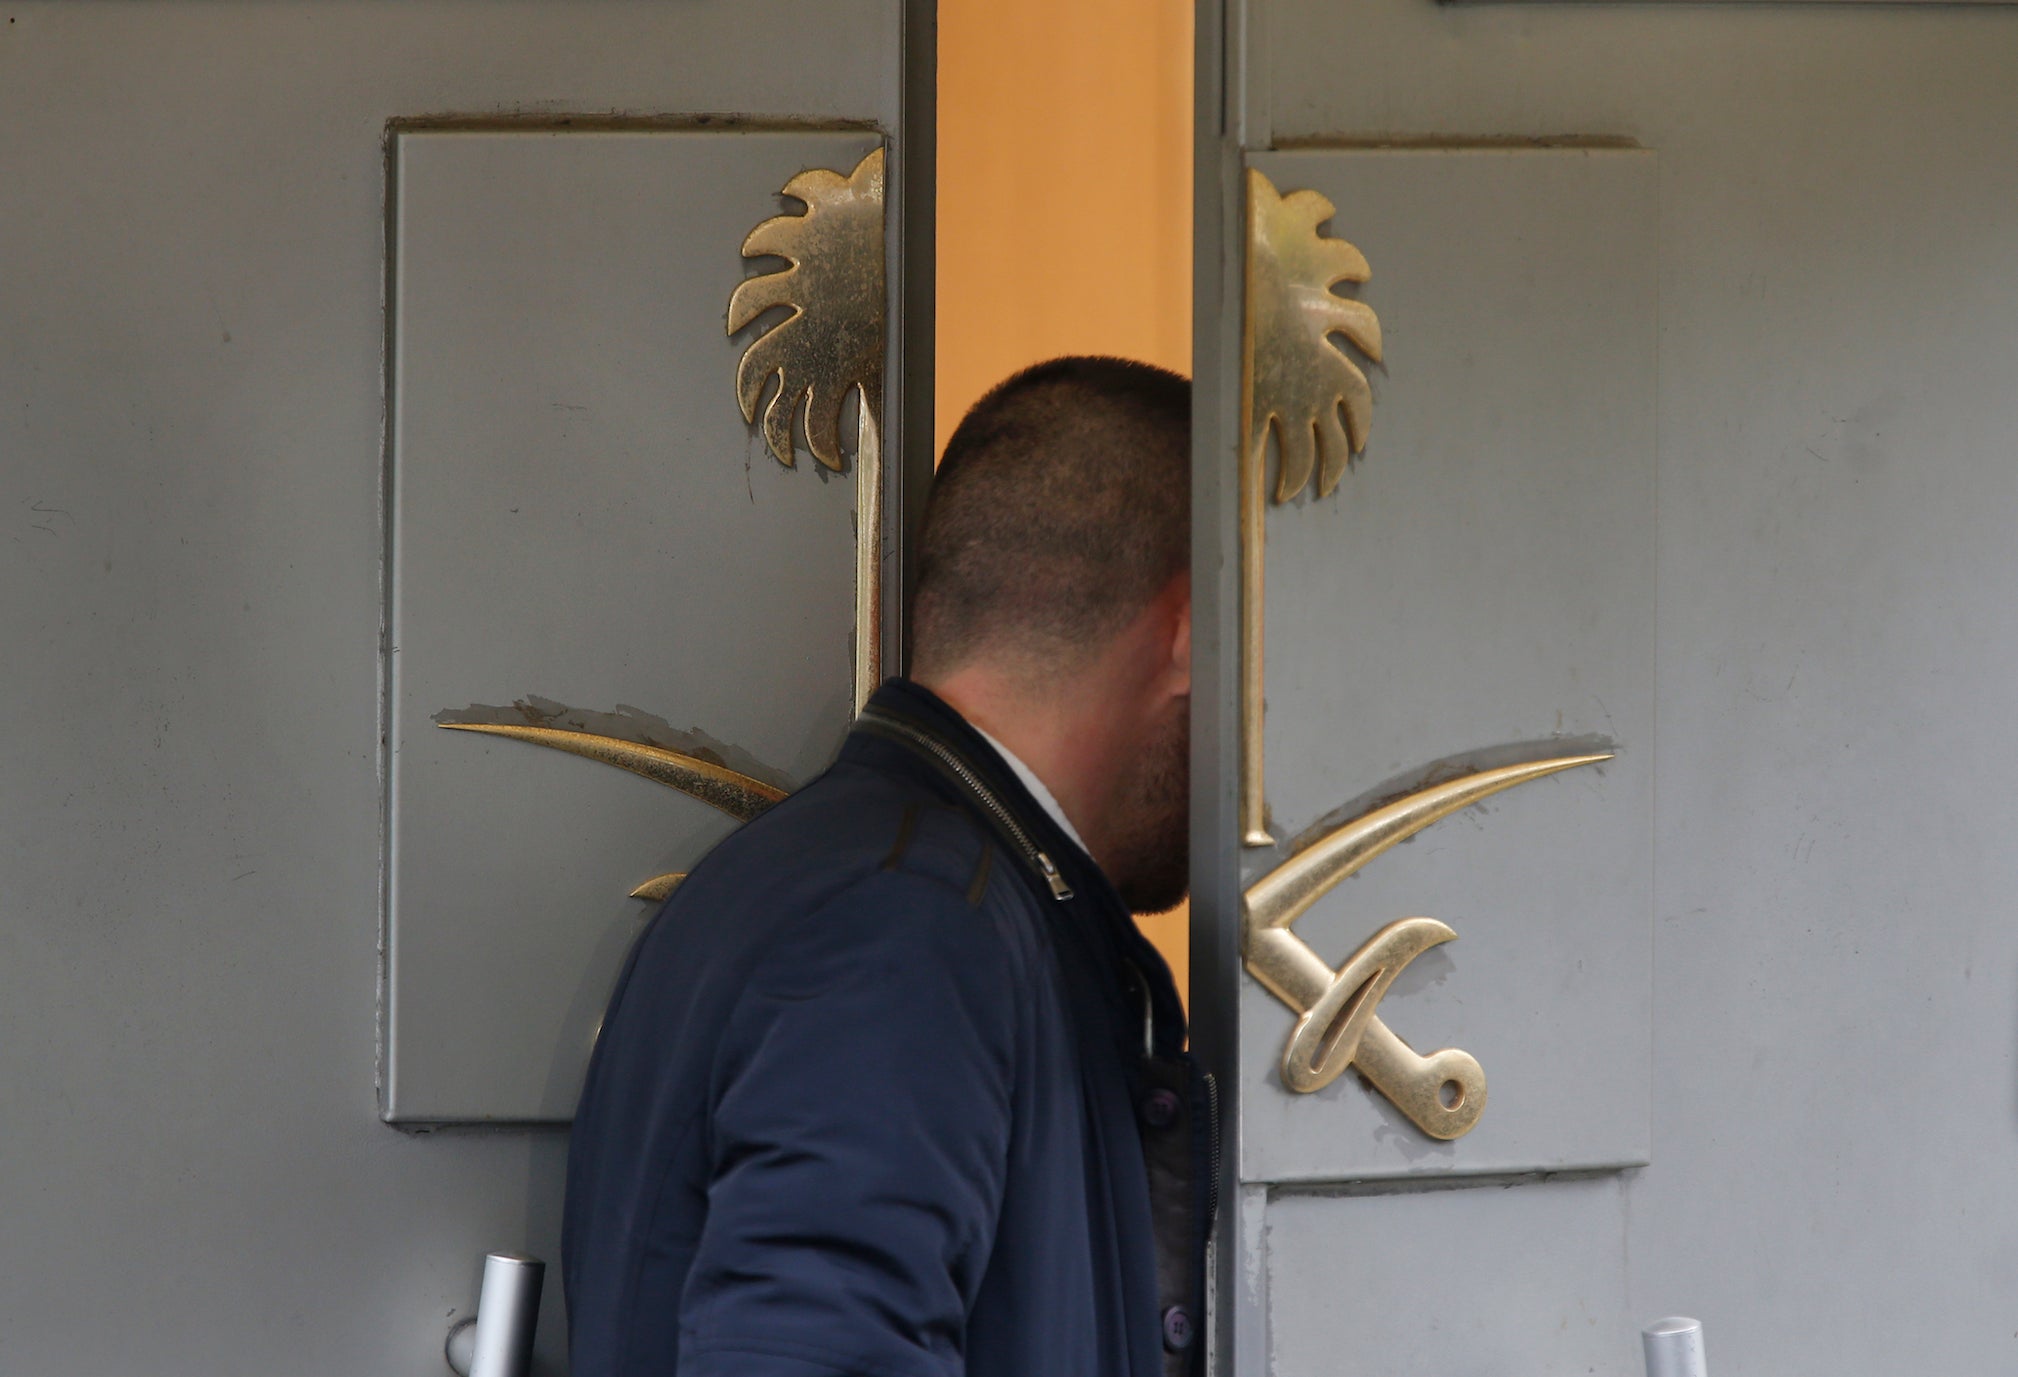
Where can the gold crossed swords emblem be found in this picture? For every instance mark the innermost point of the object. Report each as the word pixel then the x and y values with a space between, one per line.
pixel 1443 1093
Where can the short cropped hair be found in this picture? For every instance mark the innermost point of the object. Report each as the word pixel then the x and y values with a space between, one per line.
pixel 1061 508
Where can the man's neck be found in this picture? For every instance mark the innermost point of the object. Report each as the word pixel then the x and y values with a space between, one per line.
pixel 1035 786
pixel 1057 745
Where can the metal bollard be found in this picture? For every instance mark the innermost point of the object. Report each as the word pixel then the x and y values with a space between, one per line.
pixel 499 1341
pixel 1674 1347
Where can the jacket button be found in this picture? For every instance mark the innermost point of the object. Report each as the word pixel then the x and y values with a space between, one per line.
pixel 1178 1330
pixel 1159 1108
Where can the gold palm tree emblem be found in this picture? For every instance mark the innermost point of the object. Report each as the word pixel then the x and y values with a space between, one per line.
pixel 1301 381
pixel 1299 384
pixel 831 343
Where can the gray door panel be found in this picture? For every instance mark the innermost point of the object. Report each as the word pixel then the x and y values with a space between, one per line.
pixel 581 517
pixel 1478 589
pixel 1832 992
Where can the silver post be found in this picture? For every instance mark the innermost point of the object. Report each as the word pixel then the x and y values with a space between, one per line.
pixel 1674 1347
pixel 499 1341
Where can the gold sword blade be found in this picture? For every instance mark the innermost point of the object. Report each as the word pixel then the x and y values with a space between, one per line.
pixel 1280 897
pixel 736 794
pixel 1442 1093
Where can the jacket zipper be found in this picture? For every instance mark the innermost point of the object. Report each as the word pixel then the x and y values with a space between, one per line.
pixel 1212 1155
pixel 945 756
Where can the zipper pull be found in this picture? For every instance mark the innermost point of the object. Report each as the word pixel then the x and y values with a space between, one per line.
pixel 1059 889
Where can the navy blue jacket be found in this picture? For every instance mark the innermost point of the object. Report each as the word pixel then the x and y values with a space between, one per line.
pixel 892 1085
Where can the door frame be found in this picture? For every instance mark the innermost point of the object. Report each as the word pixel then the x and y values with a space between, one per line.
pixel 1234 1331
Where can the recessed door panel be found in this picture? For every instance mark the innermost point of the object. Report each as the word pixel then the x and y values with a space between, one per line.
pixel 585 533
pixel 1479 589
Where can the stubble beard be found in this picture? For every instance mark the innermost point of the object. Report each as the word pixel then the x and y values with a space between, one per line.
pixel 1151 852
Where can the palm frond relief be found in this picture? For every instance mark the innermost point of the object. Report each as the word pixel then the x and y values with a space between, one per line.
pixel 832 341
pixel 1301 380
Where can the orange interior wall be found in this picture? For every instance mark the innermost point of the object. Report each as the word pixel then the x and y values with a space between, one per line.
pixel 1064 203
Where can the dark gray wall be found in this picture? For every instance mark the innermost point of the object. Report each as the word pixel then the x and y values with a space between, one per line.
pixel 193 1174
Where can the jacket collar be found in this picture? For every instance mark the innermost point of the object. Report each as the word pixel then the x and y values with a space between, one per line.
pixel 925 713
pixel 1102 916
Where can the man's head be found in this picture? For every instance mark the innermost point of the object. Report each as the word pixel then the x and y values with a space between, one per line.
pixel 1053 605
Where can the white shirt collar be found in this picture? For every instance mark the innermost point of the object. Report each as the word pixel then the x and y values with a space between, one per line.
pixel 1028 777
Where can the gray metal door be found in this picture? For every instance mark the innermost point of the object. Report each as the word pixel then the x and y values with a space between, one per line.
pixel 1448 589
pixel 367 369
pixel 1425 833
pixel 1770 960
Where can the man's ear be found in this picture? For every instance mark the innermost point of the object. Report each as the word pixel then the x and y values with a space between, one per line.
pixel 1180 640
